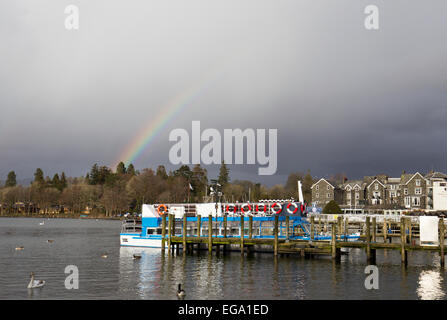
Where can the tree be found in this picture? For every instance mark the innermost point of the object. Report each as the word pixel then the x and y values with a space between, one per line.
pixel 224 175
pixel 121 168
pixel 161 172
pixel 199 182
pixel 11 181
pixel 332 208
pixel 38 177
pixel 131 170
pixel 63 184
pixel 292 184
pixel 56 182
pixel 307 184
pixel 185 172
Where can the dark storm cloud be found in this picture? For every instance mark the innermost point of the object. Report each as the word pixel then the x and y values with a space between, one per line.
pixel 343 99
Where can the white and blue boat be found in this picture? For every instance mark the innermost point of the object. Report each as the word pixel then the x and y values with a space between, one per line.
pixel 147 232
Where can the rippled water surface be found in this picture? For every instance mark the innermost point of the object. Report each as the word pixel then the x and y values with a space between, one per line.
pixel 154 276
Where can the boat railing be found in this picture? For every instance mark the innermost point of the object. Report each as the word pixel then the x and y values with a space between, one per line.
pixel 131 226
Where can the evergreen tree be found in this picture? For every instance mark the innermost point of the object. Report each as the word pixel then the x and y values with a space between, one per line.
pixel 199 181
pixel 224 175
pixel 56 182
pixel 307 184
pixel 184 171
pixel 161 172
pixel 63 181
pixel 131 170
pixel 11 181
pixel 38 177
pixel 94 175
pixel 332 208
pixel 121 168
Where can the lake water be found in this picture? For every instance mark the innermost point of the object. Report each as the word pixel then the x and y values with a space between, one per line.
pixel 154 276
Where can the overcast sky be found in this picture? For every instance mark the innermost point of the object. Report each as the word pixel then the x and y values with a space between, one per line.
pixel 344 99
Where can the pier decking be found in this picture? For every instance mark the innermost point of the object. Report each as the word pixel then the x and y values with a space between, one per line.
pixel 210 233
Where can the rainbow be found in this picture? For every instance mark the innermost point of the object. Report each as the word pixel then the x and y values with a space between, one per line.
pixel 168 112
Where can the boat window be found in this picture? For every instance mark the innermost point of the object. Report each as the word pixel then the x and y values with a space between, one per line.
pixel 150 231
pixel 159 231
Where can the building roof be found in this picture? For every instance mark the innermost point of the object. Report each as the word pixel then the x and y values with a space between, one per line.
pixel 436 175
pixel 325 181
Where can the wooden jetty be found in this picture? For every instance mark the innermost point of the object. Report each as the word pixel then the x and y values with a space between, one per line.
pixel 399 235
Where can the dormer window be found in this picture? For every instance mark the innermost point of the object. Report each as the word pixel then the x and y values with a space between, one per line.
pixel 418 182
pixel 328 187
pixel 317 188
pixel 376 186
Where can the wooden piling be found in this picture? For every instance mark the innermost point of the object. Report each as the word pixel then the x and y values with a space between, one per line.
pixel 368 239
pixel 441 241
pixel 170 233
pixel 242 233
pixel 287 227
pixel 346 228
pixel 403 252
pixel 374 227
pixel 199 225
pixel 320 229
pixel 312 227
pixel 184 233
pixel 163 232
pixel 333 241
pixel 339 227
pixel 385 230
pixel 225 227
pixel 210 233
pixel 173 225
pixel 250 227
pixel 275 230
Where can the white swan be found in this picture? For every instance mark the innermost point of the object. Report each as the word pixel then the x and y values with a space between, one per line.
pixel 42 223
pixel 35 283
pixel 104 255
pixel 20 248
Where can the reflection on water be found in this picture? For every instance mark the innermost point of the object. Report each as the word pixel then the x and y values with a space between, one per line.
pixel 203 276
pixel 429 285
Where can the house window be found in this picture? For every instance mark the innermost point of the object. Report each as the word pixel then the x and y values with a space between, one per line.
pixel 418 182
pixel 317 188
pixel 405 191
pixel 357 196
pixel 357 188
pixel 416 201
pixel 407 202
pixel 328 187
pixel 317 195
pixel 348 196
pixel 418 191
pixel 328 195
pixel 376 186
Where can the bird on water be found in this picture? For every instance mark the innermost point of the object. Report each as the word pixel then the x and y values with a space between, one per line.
pixel 35 283
pixel 180 292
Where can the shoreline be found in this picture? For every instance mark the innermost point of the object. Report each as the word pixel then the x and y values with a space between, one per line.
pixel 59 216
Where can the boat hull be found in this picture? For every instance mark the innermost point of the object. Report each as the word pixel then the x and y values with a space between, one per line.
pixel 135 240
